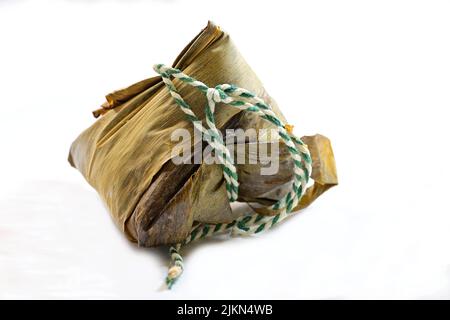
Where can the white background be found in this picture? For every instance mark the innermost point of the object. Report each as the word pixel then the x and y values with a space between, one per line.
pixel 373 76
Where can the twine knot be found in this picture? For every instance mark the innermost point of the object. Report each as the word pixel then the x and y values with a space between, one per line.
pixel 214 94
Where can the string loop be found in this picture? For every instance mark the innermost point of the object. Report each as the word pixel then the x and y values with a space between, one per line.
pixel 244 100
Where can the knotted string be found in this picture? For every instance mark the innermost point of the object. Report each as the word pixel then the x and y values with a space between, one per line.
pixel 244 100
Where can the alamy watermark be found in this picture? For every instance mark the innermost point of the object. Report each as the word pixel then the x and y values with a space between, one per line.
pixel 250 146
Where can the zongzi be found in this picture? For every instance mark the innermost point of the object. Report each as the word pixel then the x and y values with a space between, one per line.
pixel 127 155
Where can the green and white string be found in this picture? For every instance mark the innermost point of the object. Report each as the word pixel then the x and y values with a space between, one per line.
pixel 244 100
